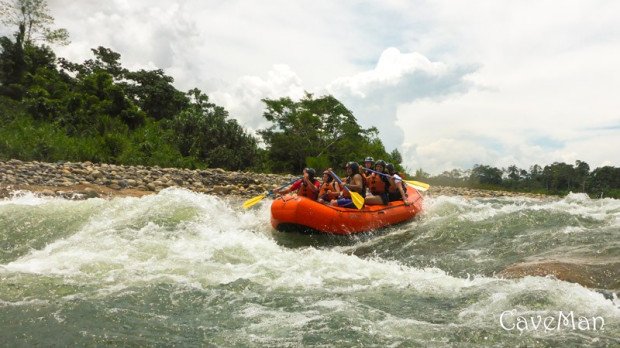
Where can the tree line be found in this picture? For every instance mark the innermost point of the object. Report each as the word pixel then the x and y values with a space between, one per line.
pixel 555 178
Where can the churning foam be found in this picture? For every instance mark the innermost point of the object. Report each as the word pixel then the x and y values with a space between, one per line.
pixel 181 236
pixel 26 198
pixel 479 209
pixel 197 240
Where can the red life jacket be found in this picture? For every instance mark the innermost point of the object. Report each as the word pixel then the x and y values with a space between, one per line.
pixel 377 184
pixel 306 191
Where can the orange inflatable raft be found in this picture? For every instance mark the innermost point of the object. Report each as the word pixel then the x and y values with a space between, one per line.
pixel 294 213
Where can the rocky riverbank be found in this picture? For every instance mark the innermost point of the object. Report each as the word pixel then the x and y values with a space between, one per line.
pixel 88 180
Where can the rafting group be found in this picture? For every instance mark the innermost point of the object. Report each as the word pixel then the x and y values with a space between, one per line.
pixel 376 192
pixel 375 183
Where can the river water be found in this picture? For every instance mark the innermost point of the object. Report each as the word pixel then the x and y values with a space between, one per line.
pixel 187 269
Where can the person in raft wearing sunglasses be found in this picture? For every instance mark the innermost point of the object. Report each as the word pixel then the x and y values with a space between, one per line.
pixel 307 186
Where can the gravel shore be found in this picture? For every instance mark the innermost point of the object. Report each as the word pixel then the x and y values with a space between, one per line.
pixel 88 180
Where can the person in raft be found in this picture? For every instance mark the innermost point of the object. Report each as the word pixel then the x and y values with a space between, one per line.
pixel 397 188
pixel 330 189
pixel 307 186
pixel 378 185
pixel 353 182
pixel 369 163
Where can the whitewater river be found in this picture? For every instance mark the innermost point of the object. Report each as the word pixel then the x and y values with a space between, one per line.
pixel 187 269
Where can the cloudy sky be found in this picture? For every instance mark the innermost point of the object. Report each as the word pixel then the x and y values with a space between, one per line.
pixel 449 83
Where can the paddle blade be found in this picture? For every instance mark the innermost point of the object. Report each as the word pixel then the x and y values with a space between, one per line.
pixel 250 202
pixel 358 200
pixel 421 186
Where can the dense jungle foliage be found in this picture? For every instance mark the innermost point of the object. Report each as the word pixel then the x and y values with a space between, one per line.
pixel 52 110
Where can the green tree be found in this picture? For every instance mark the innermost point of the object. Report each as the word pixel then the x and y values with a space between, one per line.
pixel 105 60
pixel 514 176
pixel 99 106
pixel 32 16
pixel 558 176
pixel 582 170
pixel 45 91
pixel 21 57
pixel 154 93
pixel 605 182
pixel 396 157
pixel 317 131
pixel 12 65
pixel 91 103
pixel 533 178
pixel 513 173
pixel 485 175
pixel 204 131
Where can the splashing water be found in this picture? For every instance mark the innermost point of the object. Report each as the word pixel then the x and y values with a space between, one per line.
pixel 181 268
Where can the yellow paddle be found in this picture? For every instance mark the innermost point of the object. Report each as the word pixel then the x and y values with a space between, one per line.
pixel 250 202
pixel 420 186
pixel 357 199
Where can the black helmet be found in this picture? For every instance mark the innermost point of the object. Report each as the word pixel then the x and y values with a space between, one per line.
pixel 369 159
pixel 390 168
pixel 380 163
pixel 311 172
pixel 354 166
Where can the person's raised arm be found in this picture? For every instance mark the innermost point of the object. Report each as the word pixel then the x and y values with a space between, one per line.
pixel 402 191
pixel 283 191
pixel 291 188
pixel 392 180
pixel 310 184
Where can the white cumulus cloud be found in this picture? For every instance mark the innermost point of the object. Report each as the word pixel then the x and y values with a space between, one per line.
pixel 376 94
pixel 450 84
pixel 243 98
